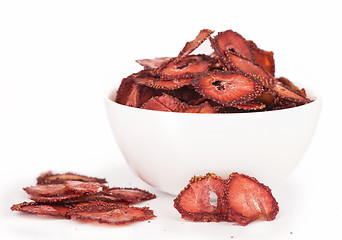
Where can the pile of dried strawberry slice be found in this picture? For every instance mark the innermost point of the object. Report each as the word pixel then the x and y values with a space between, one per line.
pixel 78 197
pixel 239 198
pixel 237 77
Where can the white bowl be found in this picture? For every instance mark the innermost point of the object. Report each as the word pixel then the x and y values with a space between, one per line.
pixel 165 149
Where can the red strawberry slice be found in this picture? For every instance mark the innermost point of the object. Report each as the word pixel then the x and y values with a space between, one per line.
pixel 283 92
pixel 159 83
pixel 201 108
pixel 194 201
pixel 49 177
pixel 187 67
pixel 103 212
pixel 164 103
pixel 152 63
pixel 227 88
pixel 237 62
pixel 42 209
pixel 250 106
pixel 131 195
pixel 191 46
pixel 263 58
pixel 248 200
pixel 230 41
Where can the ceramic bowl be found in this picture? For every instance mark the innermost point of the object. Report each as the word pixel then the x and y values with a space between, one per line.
pixel 165 149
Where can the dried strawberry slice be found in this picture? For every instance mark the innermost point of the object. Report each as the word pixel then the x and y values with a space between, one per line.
pixel 248 200
pixel 101 196
pixel 187 94
pixel 153 63
pixel 187 67
pixel 194 201
pixel 133 96
pixel 263 58
pixel 55 199
pixel 102 212
pixel 42 209
pixel 47 190
pixel 230 41
pixel 124 90
pixel 201 108
pixel 227 88
pixel 266 98
pixel 158 83
pixel 239 63
pixel 291 86
pixel 131 195
pixel 287 94
pixel 84 187
pixel 164 103
pixel 191 46
pixel 250 106
pixel 49 177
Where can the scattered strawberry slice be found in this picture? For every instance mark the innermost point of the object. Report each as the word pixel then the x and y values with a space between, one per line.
pixel 49 177
pixel 42 209
pixel 131 195
pixel 194 201
pixel 248 200
pixel 103 212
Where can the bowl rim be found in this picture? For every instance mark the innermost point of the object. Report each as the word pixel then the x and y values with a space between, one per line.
pixel 316 100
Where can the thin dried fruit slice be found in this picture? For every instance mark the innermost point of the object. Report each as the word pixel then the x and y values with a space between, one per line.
pixel 201 108
pixel 263 58
pixel 85 187
pixel 146 93
pixel 131 195
pixel 164 103
pixel 266 98
pixel 290 85
pixel 158 83
pixel 124 90
pixel 153 63
pixel 55 199
pixel 93 197
pixel 133 96
pixel 247 199
pixel 233 42
pixel 187 67
pixel 186 94
pixel 110 213
pixel 42 209
pixel 47 190
pixel 239 63
pixel 191 46
pixel 251 106
pixel 64 189
pixel 49 178
pixel 194 201
pixel 227 88
pixel 287 94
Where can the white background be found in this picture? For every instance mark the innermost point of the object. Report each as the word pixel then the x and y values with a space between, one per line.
pixel 58 58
